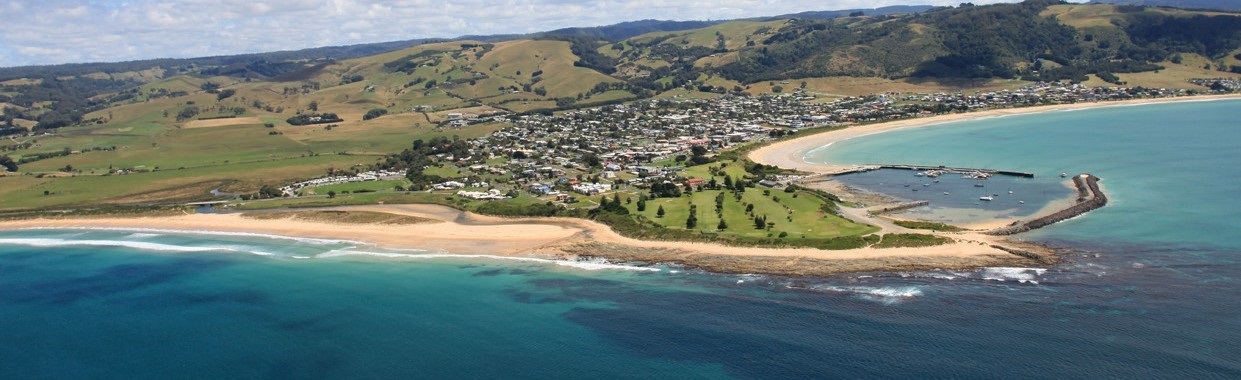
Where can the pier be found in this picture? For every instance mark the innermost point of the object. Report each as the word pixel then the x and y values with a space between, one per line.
pixel 1090 198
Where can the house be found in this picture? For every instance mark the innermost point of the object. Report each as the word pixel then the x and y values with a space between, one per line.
pixel 540 189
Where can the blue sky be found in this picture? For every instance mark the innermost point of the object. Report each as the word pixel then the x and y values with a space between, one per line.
pixel 63 31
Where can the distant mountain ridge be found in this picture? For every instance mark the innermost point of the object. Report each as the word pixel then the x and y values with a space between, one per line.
pixel 1035 40
pixel 614 32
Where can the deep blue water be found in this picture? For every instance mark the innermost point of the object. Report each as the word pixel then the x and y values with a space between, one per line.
pixel 1149 290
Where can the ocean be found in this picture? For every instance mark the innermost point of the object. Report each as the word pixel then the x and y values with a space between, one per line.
pixel 1148 289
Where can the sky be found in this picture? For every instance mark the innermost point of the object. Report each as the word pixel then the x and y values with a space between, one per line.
pixel 37 32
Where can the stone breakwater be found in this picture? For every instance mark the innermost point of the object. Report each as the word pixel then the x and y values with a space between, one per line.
pixel 1090 197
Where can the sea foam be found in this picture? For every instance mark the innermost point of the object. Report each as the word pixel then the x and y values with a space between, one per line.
pixel 585 265
pixel 887 295
pixel 1021 275
pixel 110 243
pixel 155 231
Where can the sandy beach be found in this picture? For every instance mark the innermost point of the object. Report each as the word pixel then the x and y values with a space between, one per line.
pixel 453 231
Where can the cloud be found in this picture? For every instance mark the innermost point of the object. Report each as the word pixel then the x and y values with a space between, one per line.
pixel 64 31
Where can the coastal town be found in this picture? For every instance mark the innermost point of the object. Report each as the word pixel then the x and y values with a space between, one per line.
pixel 598 150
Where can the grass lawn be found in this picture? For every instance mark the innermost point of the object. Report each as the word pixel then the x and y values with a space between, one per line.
pixel 797 216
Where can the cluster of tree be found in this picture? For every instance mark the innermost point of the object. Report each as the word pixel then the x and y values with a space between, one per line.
pixel 261 68
pixel 661 189
pixel 314 118
pixel 7 163
pixel 187 113
pixel 1211 36
pixel 420 155
pixel 587 51
pixel 374 113
pixel 409 63
pixel 70 99
pixel 613 206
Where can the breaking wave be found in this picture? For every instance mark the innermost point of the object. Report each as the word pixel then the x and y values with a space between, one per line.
pixel 153 232
pixel 148 246
pixel 888 295
pixel 597 264
pixel 1021 275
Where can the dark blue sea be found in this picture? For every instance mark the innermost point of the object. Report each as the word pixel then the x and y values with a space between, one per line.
pixel 1149 288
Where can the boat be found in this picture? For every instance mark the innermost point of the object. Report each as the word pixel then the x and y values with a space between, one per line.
pixel 978 185
pixel 1010 191
pixel 1062 175
pixel 985 198
pixel 919 174
pixel 945 193
pixel 926 185
pixel 1021 202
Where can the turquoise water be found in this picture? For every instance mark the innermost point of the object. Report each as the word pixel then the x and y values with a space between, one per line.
pixel 1171 171
pixel 1148 290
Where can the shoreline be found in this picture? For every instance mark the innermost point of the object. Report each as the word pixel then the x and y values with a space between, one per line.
pixel 458 232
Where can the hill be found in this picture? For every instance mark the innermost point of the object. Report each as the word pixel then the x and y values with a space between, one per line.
pixel 995 41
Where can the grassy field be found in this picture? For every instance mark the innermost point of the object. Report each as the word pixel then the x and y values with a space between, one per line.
pixel 795 214
pixel 191 184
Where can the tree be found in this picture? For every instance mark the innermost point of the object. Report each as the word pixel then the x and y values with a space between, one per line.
pixel 269 191
pixel 642 203
pixel 722 226
pixel 225 94
pixel 314 106
pixel 760 223
pixel 331 194
pixel 591 160
pixel 692 221
pixel 8 164
pixel 660 212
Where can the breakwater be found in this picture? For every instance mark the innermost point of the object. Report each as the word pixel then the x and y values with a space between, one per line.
pixel 956 170
pixel 898 207
pixel 1090 197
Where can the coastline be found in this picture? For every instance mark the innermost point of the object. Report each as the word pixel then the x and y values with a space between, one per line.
pixel 453 231
pixel 456 232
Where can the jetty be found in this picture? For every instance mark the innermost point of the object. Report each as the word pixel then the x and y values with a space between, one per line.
pixel 1089 198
